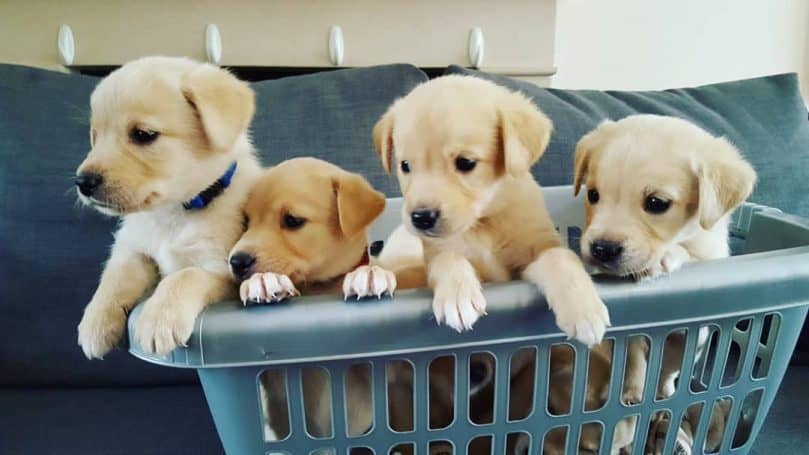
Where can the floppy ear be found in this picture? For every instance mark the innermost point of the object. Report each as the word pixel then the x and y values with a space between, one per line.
pixel 584 151
pixel 358 203
pixel 524 133
pixel 383 138
pixel 725 181
pixel 224 104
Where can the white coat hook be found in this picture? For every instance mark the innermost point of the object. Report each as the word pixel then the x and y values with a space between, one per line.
pixel 65 44
pixel 336 45
pixel 213 44
pixel 476 47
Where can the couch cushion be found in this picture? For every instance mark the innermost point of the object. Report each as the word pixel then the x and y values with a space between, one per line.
pixel 118 421
pixel 53 251
pixel 764 117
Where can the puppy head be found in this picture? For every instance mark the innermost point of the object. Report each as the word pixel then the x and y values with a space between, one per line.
pixel 451 142
pixel 653 182
pixel 162 130
pixel 307 219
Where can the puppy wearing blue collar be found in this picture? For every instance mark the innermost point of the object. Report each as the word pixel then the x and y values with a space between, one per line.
pixel 170 156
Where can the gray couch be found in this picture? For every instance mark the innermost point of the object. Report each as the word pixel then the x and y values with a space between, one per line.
pixel 53 400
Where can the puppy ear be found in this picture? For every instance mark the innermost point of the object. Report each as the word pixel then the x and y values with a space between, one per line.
pixel 584 151
pixel 358 203
pixel 725 181
pixel 524 133
pixel 383 138
pixel 224 104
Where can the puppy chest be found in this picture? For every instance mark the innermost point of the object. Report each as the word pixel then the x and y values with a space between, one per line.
pixel 488 264
pixel 177 247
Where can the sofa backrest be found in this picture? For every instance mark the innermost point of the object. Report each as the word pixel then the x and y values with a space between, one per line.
pixel 764 117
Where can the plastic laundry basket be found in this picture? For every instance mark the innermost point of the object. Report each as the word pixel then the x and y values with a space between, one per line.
pixel 754 304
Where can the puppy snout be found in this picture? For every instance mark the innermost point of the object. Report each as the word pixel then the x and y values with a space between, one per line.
pixel 241 263
pixel 424 219
pixel 88 182
pixel 606 251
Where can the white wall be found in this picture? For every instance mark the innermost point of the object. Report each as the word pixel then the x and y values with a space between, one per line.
pixel 654 44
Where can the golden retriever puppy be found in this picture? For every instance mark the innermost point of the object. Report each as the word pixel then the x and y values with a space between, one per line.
pixel 171 157
pixel 306 232
pixel 660 192
pixel 462 149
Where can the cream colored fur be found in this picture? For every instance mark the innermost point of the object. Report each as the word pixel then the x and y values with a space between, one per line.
pixel 493 224
pixel 201 114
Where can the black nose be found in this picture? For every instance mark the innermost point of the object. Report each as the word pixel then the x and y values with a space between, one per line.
pixel 424 219
pixel 241 263
pixel 88 183
pixel 606 251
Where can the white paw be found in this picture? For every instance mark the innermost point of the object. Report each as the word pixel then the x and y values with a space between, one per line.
pixel 267 288
pixel 100 329
pixel 369 280
pixel 163 325
pixel 633 393
pixel 458 304
pixel 583 316
pixel 672 260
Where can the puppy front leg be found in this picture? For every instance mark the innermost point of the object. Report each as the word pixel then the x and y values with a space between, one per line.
pixel 126 277
pixel 571 295
pixel 635 370
pixel 169 314
pixel 457 297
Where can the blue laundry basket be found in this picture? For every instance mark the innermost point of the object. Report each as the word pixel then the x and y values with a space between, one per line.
pixel 754 305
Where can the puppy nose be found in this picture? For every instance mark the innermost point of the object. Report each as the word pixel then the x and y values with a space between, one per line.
pixel 241 263
pixel 88 183
pixel 424 219
pixel 606 250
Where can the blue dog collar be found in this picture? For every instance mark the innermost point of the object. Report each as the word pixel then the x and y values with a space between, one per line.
pixel 201 200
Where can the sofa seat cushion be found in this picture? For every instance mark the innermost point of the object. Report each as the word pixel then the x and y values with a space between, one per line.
pixel 114 421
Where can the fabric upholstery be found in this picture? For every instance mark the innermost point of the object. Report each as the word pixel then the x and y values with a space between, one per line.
pixel 764 117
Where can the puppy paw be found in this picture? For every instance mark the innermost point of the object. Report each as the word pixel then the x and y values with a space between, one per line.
pixel 583 316
pixel 163 325
pixel 633 394
pixel 100 329
pixel 369 280
pixel 673 259
pixel 459 303
pixel 266 288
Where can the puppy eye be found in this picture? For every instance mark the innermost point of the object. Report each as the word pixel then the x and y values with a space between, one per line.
pixel 245 222
pixel 143 137
pixel 592 195
pixel 655 205
pixel 405 165
pixel 292 222
pixel 464 164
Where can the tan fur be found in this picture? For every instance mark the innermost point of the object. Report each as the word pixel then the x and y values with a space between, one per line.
pixel 191 105
pixel 704 177
pixel 320 256
pixel 337 207
pixel 493 224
